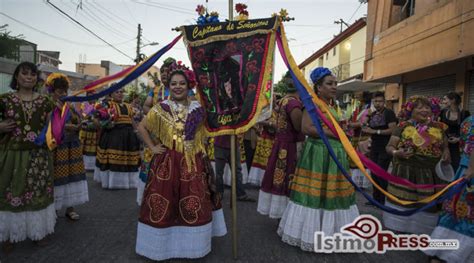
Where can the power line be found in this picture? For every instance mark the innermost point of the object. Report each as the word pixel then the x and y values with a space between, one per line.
pixel 355 12
pixel 97 19
pixel 112 15
pixel 88 30
pixel 129 11
pixel 165 8
pixel 60 38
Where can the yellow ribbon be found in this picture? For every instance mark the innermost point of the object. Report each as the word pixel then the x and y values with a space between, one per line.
pixel 342 136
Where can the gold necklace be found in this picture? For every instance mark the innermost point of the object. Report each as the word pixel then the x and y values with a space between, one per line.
pixel 27 107
pixel 179 115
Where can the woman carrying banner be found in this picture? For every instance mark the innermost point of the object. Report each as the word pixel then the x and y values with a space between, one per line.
pixel 26 171
pixel 70 184
pixel 118 152
pixel 457 219
pixel 180 212
pixel 321 198
pixel 273 195
pixel 417 145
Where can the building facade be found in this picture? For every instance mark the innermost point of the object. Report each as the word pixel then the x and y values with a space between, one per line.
pixel 426 46
pixel 344 55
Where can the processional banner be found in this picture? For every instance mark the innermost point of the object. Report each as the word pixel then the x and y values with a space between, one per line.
pixel 233 63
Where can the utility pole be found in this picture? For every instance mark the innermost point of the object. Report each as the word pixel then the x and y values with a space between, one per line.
pixel 138 59
pixel 139 40
pixel 341 22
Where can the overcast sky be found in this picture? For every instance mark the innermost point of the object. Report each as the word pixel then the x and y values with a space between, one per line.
pixel 116 21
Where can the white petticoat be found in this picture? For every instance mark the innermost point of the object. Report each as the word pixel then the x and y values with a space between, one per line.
pixel 72 194
pixel 35 225
pixel 419 223
pixel 272 205
pixel 89 162
pixel 117 180
pixel 256 176
pixel 299 223
pixel 179 241
pixel 465 253
pixel 140 189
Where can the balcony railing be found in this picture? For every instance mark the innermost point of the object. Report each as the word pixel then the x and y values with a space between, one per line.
pixel 342 71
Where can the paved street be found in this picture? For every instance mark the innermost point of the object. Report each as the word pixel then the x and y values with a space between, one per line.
pixel 107 229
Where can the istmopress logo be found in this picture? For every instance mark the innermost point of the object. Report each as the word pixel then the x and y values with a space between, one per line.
pixel 365 234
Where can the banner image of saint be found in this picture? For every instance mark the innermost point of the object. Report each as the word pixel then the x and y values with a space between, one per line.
pixel 233 63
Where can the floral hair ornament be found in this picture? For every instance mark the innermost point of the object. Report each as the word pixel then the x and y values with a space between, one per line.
pixel 205 17
pixel 179 66
pixel 242 10
pixel 53 77
pixel 407 108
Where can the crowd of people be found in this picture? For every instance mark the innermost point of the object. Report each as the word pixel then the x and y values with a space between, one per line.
pixel 162 149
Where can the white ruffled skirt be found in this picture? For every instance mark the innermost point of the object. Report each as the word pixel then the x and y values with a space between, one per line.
pixel 179 241
pixel 35 225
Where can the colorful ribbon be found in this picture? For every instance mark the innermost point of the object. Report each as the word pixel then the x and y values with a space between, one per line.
pixel 310 100
pixel 126 76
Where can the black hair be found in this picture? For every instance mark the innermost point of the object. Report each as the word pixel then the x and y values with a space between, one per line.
pixel 179 72
pixel 378 94
pixel 319 83
pixel 60 83
pixel 23 65
pixel 366 96
pixel 454 96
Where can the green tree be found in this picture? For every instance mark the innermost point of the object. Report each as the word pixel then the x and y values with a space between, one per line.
pixel 9 45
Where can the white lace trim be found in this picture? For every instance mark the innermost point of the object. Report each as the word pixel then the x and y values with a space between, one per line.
pixel 272 205
pixel 140 189
pixel 34 225
pixel 117 180
pixel 71 194
pixel 256 176
pixel 465 253
pixel 89 162
pixel 419 223
pixel 179 241
pixel 298 224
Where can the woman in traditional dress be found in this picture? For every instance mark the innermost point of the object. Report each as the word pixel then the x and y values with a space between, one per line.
pixel 180 214
pixel 26 175
pixel 70 184
pixel 416 145
pixel 88 134
pixel 321 198
pixel 273 195
pixel 265 138
pixel 118 153
pixel 457 218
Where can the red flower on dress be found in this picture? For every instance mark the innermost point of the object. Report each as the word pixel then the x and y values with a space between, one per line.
pixel 251 87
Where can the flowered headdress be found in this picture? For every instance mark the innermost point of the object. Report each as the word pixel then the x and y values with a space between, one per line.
pixel 242 10
pixel 180 67
pixel 205 17
pixel 407 108
pixel 52 78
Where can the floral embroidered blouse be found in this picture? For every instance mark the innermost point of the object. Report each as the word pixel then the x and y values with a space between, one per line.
pixel 425 140
pixel 30 118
